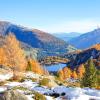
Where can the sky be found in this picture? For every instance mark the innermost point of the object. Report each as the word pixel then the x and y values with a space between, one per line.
pixel 52 15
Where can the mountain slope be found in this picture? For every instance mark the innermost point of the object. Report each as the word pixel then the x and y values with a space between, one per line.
pixel 86 40
pixel 84 55
pixel 36 39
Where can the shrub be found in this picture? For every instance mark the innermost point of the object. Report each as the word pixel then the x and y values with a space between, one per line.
pixel 2 83
pixel 22 80
pixel 34 80
pixel 38 96
pixel 20 88
pixel 44 81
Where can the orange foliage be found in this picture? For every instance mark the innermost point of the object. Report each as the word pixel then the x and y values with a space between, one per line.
pixel 74 75
pixel 61 74
pixel 97 47
pixel 81 71
pixel 3 58
pixel 11 54
pixel 37 68
pixel 67 72
pixel 64 73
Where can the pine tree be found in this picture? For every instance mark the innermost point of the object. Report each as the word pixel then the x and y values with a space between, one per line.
pixel 98 79
pixel 90 77
pixel 29 66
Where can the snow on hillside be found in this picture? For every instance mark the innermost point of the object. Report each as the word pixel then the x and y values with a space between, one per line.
pixel 63 92
pixel 2 89
pixel 70 92
pixel 78 93
pixel 5 74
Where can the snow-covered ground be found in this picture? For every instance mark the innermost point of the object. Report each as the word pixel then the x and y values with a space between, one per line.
pixel 32 75
pixel 5 73
pixel 2 89
pixel 6 76
pixel 69 93
pixel 27 84
pixel 78 93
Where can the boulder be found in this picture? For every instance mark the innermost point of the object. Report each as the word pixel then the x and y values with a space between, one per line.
pixel 13 95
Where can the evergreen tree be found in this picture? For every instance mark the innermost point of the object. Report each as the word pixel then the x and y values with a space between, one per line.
pixel 90 76
pixel 29 66
pixel 98 79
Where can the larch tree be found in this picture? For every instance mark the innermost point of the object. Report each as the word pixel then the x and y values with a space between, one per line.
pixel 34 66
pixel 74 75
pixel 67 72
pixel 60 74
pixel 81 71
pixel 3 58
pixel 14 54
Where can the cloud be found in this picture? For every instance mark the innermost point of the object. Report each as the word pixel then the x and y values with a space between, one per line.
pixel 73 26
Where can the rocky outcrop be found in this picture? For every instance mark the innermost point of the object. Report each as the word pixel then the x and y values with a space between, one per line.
pixel 13 95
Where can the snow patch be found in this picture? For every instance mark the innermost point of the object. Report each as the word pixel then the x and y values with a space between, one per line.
pixel 4 77
pixel 3 89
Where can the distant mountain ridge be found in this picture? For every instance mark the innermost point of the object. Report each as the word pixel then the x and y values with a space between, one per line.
pixel 86 40
pixel 66 36
pixel 36 39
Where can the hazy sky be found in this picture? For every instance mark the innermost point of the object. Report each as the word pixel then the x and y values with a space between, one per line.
pixel 52 15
